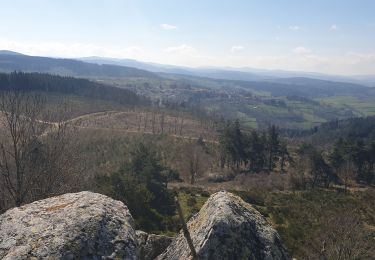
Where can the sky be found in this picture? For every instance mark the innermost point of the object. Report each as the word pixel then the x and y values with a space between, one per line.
pixel 326 36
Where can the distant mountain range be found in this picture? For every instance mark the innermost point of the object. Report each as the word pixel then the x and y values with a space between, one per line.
pixel 111 67
pixel 276 83
pixel 246 74
pixel 216 73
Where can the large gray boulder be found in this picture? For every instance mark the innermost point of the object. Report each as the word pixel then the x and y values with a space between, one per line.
pixel 228 228
pixel 87 225
pixel 81 225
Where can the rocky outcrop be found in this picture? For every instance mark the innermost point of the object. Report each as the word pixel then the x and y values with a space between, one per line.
pixel 88 225
pixel 150 245
pixel 228 228
pixel 82 225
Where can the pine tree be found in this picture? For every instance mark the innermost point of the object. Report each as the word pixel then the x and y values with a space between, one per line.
pixel 273 146
pixel 254 151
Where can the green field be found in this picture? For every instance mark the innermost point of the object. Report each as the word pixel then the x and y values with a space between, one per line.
pixel 361 106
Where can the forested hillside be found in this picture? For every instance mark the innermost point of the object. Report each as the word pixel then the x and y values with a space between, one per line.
pixel 293 103
pixel 356 128
pixel 143 152
pixel 68 86
pixel 67 67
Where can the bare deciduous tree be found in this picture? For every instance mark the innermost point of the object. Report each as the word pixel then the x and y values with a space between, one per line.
pixel 342 237
pixel 139 121
pixel 162 121
pixel 347 172
pixel 196 161
pixel 33 161
pixel 194 168
pixel 153 122
pixel 175 125
pixel 145 122
pixel 181 124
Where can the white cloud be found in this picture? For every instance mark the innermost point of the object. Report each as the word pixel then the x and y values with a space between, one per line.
pixel 168 27
pixel 333 27
pixel 302 50
pixel 237 48
pixel 294 27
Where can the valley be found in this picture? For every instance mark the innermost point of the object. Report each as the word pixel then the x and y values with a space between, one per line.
pixel 291 103
pixel 140 137
pixel 187 130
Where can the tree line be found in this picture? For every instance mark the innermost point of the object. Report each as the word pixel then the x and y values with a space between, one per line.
pixel 348 161
pixel 354 159
pixel 254 150
pixel 357 128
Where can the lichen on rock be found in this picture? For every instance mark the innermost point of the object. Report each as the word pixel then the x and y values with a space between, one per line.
pixel 228 228
pixel 82 225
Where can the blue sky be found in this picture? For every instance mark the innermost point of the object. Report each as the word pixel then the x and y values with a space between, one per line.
pixel 336 37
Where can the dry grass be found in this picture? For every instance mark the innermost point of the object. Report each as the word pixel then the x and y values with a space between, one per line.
pixel 147 122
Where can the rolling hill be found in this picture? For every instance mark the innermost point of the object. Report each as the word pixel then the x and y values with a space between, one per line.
pixel 211 78
pixel 10 61
pixel 294 102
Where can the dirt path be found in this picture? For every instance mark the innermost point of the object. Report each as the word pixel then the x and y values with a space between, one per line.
pixel 55 125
